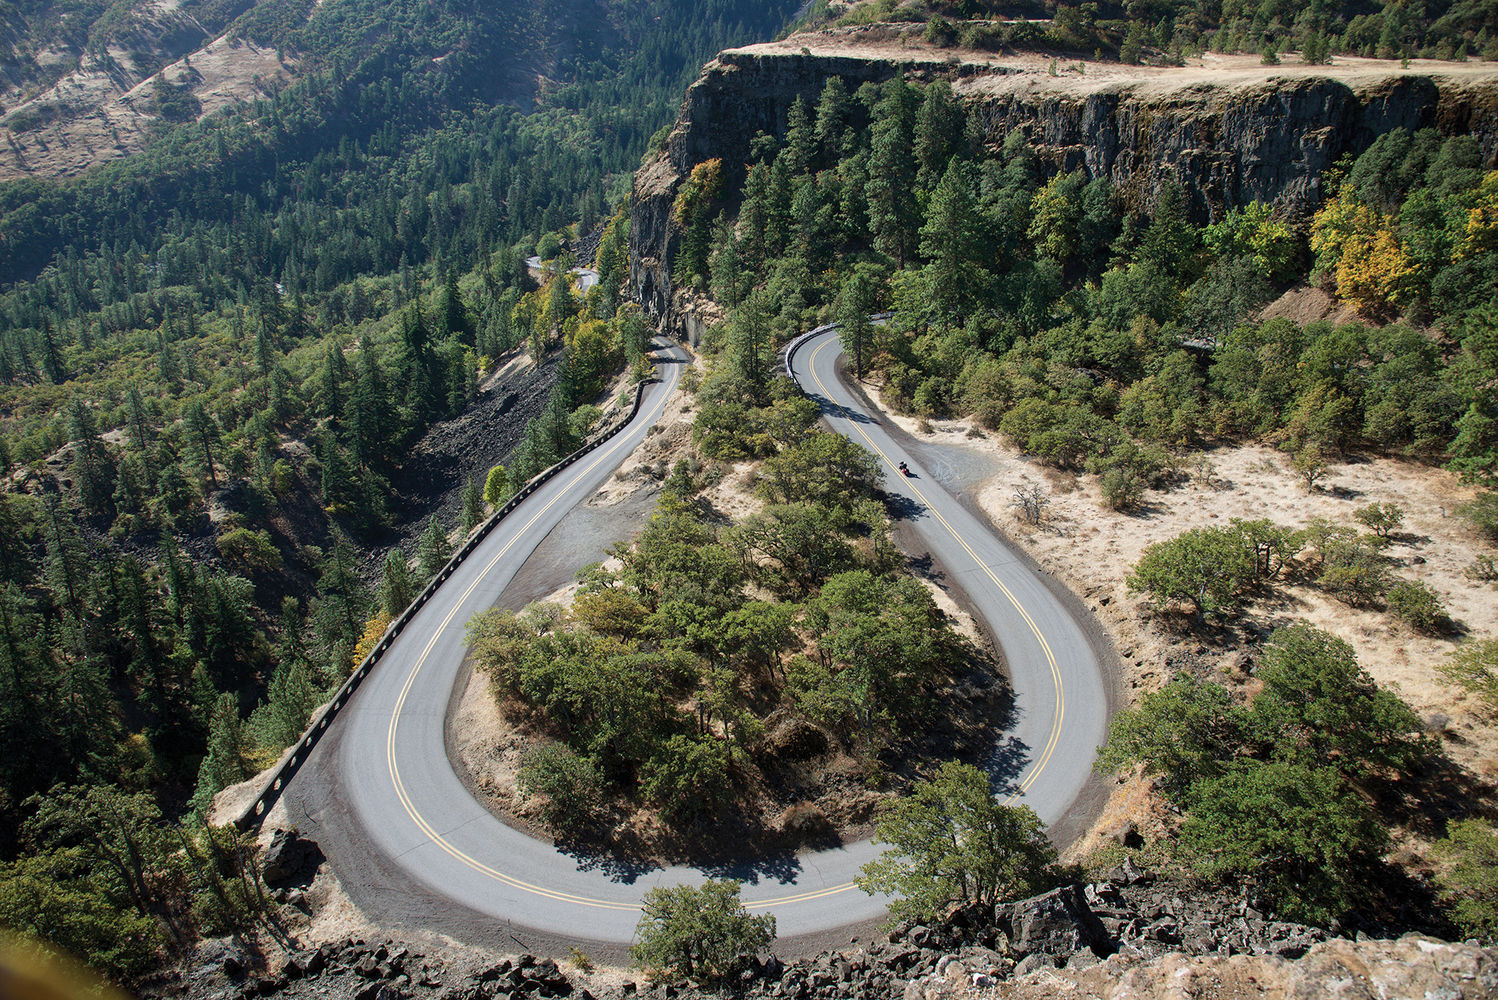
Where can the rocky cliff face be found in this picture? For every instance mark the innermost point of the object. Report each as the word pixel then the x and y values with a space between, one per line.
pixel 1128 937
pixel 1230 130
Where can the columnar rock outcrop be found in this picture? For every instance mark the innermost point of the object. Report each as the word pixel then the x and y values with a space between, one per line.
pixel 1230 137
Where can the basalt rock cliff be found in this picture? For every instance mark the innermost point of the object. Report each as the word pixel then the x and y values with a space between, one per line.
pixel 1230 130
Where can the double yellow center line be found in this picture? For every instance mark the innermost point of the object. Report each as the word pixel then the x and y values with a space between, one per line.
pixel 1055 735
pixel 504 878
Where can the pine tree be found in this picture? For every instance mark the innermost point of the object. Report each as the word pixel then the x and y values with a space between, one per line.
pixel 397 586
pixel 938 129
pixel 227 759
pixel 473 504
pixel 203 437
pixel 949 240
pixel 453 322
pixel 433 551
pixel 855 301
pixel 92 463
pixel 800 138
pixel 833 108
pixel 289 701
pixel 893 211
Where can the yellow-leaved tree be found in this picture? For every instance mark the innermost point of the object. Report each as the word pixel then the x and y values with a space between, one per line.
pixel 1360 247
pixel 373 629
pixel 1480 235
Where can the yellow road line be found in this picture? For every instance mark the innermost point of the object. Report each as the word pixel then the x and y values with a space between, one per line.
pixel 447 847
pixel 1055 735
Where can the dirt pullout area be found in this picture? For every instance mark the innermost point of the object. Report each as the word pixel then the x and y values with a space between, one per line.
pixel 1091 550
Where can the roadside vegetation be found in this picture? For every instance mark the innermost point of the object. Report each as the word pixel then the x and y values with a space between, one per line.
pixel 710 670
pixel 1114 337
pixel 216 358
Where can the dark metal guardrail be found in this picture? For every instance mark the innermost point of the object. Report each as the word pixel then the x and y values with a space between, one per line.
pixel 254 814
pixel 878 319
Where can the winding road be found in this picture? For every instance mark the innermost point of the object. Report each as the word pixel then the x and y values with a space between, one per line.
pixel 398 787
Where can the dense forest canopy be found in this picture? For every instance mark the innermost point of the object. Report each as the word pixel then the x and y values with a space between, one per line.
pixel 214 357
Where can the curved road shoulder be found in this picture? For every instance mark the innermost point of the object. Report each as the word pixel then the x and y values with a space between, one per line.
pixel 415 849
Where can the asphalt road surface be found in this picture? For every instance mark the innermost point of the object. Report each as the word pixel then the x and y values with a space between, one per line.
pixel 399 788
pixel 1060 686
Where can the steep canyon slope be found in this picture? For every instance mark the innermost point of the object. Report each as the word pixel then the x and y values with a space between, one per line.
pixel 1231 130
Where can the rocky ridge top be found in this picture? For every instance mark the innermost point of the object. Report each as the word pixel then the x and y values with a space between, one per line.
pixel 1129 935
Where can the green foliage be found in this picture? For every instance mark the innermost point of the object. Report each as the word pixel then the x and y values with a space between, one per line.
pixel 688 777
pixel 1469 876
pixel 881 645
pixel 1271 793
pixel 1319 706
pixel 1304 838
pixel 1418 606
pixel 698 932
pixel 952 842
pixel 1380 518
pixel 824 470
pixel 1352 567
pixel 570 784
pixel 227 759
pixel 1474 665
pixel 249 549
pixel 51 897
pixel 1186 732
pixel 1482 513
pixel 1209 568
pixel 433 550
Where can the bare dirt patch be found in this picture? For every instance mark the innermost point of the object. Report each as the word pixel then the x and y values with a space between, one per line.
pixel 1091 549
pixel 1045 72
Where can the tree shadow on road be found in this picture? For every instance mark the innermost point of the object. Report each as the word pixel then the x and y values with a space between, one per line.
pixel 901 508
pixel 729 848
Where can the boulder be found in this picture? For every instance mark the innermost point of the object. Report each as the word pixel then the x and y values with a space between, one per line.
pixel 290 859
pixel 1056 923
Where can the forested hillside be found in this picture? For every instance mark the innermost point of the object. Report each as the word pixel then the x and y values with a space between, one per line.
pixel 215 356
pixel 1116 338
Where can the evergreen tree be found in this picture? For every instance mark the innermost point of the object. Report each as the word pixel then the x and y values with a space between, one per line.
pixel 938 131
pixel 473 505
pixel 950 241
pixel 893 211
pixel 833 109
pixel 226 761
pixel 397 587
pixel 92 463
pixel 453 321
pixel 800 138
pixel 433 551
pixel 203 439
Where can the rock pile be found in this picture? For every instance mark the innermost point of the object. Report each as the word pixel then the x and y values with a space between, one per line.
pixel 359 970
pixel 1124 927
pixel 1074 926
